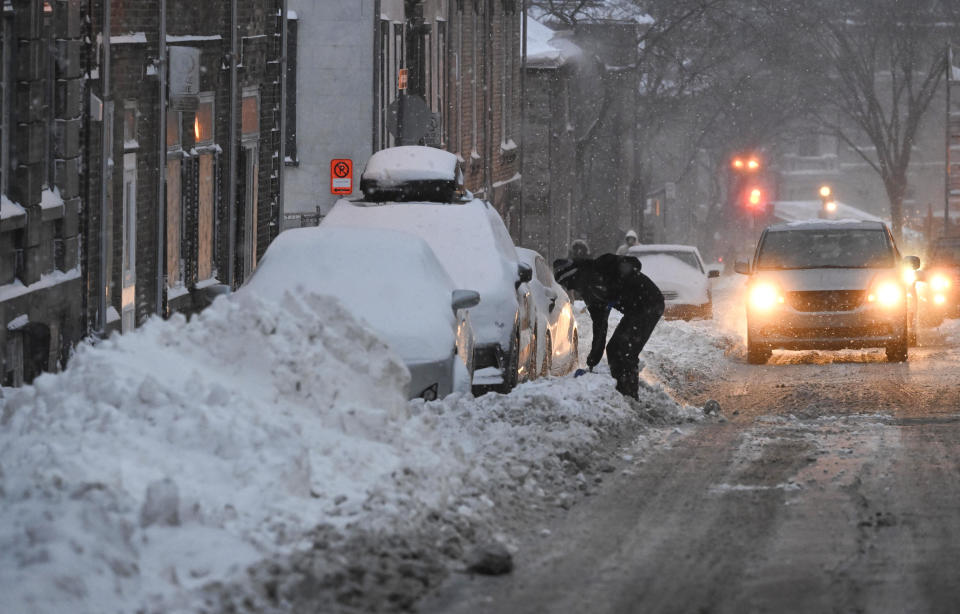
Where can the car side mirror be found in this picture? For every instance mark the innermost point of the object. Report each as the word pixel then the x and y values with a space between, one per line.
pixel 912 261
pixel 742 267
pixel 464 299
pixel 552 295
pixel 525 272
pixel 712 273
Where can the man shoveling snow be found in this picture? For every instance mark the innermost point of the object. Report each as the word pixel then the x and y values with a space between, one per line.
pixel 615 282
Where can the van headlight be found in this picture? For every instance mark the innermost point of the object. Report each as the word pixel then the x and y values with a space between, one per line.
pixel 939 282
pixel 886 294
pixel 765 296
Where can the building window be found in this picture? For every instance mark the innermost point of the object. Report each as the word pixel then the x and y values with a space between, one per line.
pixel 6 98
pixel 203 120
pixel 386 79
pixel 292 157
pixel 474 85
pixel 250 182
pixel 130 125
pixel 442 77
pixel 250 114
pixel 506 82
pixel 174 264
pixel 129 235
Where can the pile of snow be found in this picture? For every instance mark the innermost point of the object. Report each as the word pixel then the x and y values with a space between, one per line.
pixel 177 455
pixel 163 465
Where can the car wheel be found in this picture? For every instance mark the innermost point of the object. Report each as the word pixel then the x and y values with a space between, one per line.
pixel 757 354
pixel 512 371
pixel 547 357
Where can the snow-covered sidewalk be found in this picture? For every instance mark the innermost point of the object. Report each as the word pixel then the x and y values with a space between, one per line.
pixel 194 464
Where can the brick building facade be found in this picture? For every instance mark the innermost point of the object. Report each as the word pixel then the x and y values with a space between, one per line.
pixel 483 114
pixel 141 163
pixel 42 95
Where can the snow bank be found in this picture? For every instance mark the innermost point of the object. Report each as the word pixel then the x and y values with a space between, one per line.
pixel 175 468
pixel 167 458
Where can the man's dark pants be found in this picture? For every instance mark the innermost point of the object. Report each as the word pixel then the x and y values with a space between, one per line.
pixel 623 349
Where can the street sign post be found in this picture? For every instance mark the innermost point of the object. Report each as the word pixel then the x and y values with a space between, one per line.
pixel 341 177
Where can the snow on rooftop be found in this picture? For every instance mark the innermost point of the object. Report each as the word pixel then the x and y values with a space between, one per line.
pixel 545 49
pixel 410 163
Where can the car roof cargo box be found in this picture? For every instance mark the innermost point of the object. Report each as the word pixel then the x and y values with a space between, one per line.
pixel 412 174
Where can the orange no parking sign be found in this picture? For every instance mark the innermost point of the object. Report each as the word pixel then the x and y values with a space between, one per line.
pixel 341 176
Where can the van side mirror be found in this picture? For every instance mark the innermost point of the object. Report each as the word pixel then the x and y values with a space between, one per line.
pixel 742 267
pixel 712 273
pixel 912 262
pixel 464 299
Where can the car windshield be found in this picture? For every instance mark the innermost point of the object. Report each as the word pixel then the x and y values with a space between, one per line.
pixel 688 258
pixel 946 253
pixel 825 248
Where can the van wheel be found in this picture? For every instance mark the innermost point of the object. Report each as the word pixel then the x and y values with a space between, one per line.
pixel 757 354
pixel 897 351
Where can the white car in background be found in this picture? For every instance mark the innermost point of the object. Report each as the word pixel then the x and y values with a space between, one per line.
pixel 556 328
pixel 399 290
pixel 470 240
pixel 679 272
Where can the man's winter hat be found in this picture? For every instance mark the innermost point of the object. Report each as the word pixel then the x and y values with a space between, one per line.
pixel 632 234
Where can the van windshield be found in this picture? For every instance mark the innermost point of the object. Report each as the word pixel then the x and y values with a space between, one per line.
pixel 825 248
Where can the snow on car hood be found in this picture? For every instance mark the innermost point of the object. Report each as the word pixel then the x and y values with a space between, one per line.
pixel 462 239
pixel 823 279
pixel 389 280
pixel 672 275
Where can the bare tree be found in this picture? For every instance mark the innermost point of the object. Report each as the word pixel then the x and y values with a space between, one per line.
pixel 884 62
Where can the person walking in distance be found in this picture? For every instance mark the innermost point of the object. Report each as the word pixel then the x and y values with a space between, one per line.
pixel 615 282
pixel 628 241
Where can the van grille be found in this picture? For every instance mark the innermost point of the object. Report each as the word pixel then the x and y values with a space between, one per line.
pixel 825 300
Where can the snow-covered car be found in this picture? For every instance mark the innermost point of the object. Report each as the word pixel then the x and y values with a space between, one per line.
pixel 399 290
pixel 679 272
pixel 472 242
pixel 824 284
pixel 556 327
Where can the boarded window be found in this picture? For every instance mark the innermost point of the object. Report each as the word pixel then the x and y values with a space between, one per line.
pixel 250 115
pixel 174 267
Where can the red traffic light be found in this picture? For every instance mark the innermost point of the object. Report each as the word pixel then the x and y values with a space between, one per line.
pixel 755 197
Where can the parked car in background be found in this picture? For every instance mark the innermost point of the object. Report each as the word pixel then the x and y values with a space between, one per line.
pixel 679 272
pixel 828 285
pixel 470 240
pixel 399 290
pixel 557 337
